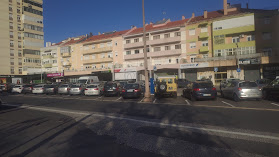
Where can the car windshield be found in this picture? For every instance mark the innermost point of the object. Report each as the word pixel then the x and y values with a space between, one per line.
pixel 123 83
pixel 204 85
pixel 39 86
pixel 264 81
pixel 82 81
pixel 248 84
pixel 92 86
pixel 110 85
pixel 75 86
pixel 132 86
pixel 17 86
pixel 64 86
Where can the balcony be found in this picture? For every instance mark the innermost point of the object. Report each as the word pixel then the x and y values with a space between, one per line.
pixel 47 57
pixel 47 65
pixel 66 64
pixel 164 41
pixel 154 54
pixel 67 54
pixel 234 45
pixel 97 50
pixel 203 35
pixel 236 30
pixel 246 56
pixel 133 45
pixel 99 60
pixel 204 49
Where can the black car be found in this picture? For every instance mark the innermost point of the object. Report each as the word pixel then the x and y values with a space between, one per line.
pixel 200 90
pixel 51 89
pixel 112 89
pixel 131 90
pixel 27 89
pixel 7 87
pixel 271 90
pixel 182 83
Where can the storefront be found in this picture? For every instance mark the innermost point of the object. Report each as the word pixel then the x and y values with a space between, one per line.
pixel 271 71
pixel 125 74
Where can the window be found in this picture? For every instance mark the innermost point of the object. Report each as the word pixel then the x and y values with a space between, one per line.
pixel 12 61
pixel 34 11
pixel 102 55
pixel 267 20
pixel 156 37
pixel 11 34
pixel 19 44
pixel 169 60
pixel 128 41
pixel 218 28
pixel 11 25
pixel 192 58
pixel 11 16
pixel 136 51
pixel 192 45
pixel 93 57
pixel 115 43
pixel 12 70
pixel 86 57
pixel 136 40
pixel 11 43
pixel 18 11
pixel 235 39
pixel 177 61
pixel 204 29
pixel 177 47
pixel 177 34
pixel 12 52
pixel 128 52
pixel 94 66
pixel 116 54
pixel 33 3
pixel 167 35
pixel 230 52
pixel 86 47
pixel 102 45
pixel 205 56
pixel 33 27
pixel 266 36
pixel 35 36
pixel 250 38
pixel 205 43
pixel 147 38
pixel 10 7
pixel 93 46
pixel 267 51
pixel 19 53
pixel 157 49
pixel 167 48
pixel 18 18
pixel 109 44
pixel 192 31
pixel 218 53
pixel 110 55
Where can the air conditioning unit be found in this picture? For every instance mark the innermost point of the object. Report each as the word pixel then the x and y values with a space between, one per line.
pixel 242 35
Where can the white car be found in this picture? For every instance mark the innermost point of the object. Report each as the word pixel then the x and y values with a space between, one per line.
pixel 92 89
pixel 38 89
pixel 17 89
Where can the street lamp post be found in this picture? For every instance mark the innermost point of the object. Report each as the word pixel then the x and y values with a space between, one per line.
pixel 147 91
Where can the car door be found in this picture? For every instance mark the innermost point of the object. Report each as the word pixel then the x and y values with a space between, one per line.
pixel 225 89
pixel 231 89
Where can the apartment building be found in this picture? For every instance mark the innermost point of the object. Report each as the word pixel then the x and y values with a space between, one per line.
pixel 96 54
pixel 229 43
pixel 166 47
pixel 21 36
pixel 49 58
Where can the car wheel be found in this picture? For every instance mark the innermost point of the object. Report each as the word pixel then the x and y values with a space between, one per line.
pixel 235 98
pixel 193 98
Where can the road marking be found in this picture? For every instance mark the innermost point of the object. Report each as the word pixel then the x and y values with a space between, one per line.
pixel 142 99
pixel 187 102
pixel 118 98
pixel 228 103
pixel 149 122
pixel 275 104
pixel 100 97
pixel 154 101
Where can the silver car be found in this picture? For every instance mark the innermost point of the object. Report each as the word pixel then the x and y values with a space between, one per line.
pixel 239 90
pixel 17 89
pixel 39 89
pixel 77 89
pixel 64 89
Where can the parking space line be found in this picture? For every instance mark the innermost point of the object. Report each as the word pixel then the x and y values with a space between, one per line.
pixel 154 101
pixel 118 98
pixel 142 99
pixel 275 104
pixel 187 102
pixel 228 104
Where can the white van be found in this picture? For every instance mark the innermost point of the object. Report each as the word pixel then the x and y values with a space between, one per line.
pixel 88 79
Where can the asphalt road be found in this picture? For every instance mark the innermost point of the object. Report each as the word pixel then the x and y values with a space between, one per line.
pixel 61 125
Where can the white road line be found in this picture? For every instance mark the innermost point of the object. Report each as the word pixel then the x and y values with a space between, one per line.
pixel 187 102
pixel 275 104
pixel 100 97
pixel 150 122
pixel 142 99
pixel 118 98
pixel 154 101
pixel 228 104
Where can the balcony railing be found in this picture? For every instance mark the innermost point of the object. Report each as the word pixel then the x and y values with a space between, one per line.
pixel 67 54
pixel 241 56
pixel 154 54
pixel 48 57
pixel 99 60
pixel 97 50
pixel 67 64
pixel 47 65
pixel 203 35
pixel 204 49
pixel 164 40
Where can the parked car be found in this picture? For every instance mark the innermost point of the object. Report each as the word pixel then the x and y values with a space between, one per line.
pixel 123 83
pixel 131 90
pixel 239 90
pixel 64 89
pixel 39 89
pixel 51 89
pixel 7 87
pixel 182 83
pixel 77 89
pixel 271 90
pixel 200 90
pixel 27 89
pixel 1 102
pixel 226 81
pixel 92 89
pixel 262 83
pixel 166 86
pixel 17 89
pixel 112 88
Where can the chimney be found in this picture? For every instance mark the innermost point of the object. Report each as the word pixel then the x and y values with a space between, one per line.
pixel 193 15
pixel 247 6
pixel 99 33
pixel 183 17
pixel 48 44
pixel 225 7
pixel 205 14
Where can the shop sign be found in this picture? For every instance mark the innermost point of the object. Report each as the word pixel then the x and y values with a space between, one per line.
pixel 194 65
pixel 55 75
pixel 123 70
pixel 250 61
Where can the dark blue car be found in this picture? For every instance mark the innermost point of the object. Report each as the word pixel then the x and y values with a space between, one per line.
pixel 200 90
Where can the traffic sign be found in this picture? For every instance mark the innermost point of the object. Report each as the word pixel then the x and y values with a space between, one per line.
pixel 238 70
pixel 155 68
pixel 215 69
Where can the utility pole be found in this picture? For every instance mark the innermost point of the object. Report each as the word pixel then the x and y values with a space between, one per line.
pixel 147 90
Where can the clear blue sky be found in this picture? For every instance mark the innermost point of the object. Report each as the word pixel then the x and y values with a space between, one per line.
pixel 69 18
